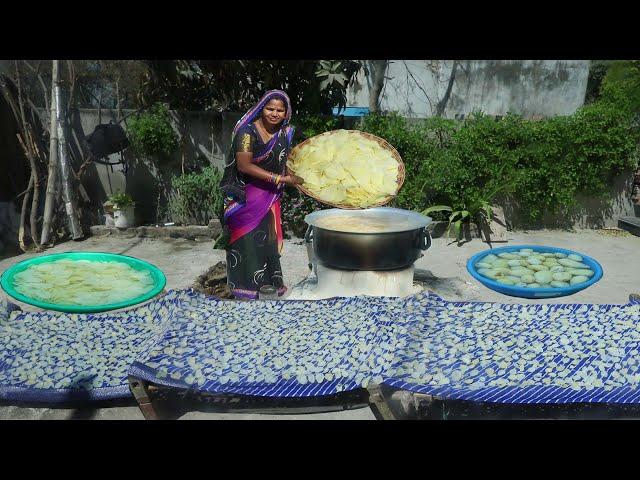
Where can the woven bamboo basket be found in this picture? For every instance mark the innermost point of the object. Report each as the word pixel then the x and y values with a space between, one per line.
pixel 383 143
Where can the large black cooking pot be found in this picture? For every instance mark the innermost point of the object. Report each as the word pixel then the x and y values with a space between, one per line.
pixel 395 249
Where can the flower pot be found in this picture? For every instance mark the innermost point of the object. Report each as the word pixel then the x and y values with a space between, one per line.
pixel 124 218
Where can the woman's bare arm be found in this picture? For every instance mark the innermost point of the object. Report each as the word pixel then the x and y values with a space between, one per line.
pixel 246 167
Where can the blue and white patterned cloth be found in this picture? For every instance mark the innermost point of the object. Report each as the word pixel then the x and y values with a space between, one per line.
pixel 275 348
pixel 506 353
pixel 60 357
pixel 474 351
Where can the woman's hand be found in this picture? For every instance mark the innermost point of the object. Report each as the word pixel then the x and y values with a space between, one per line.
pixel 292 180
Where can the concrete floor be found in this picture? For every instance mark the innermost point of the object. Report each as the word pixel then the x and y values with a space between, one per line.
pixel 443 269
pixel 618 255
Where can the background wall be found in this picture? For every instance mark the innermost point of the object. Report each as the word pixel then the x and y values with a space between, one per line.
pixel 532 88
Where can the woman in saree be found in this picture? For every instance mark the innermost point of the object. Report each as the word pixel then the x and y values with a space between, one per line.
pixel 253 182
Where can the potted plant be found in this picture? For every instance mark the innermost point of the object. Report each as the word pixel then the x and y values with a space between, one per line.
pixel 123 210
pixel 491 227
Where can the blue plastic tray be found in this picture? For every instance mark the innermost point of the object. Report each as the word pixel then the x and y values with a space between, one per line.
pixel 534 292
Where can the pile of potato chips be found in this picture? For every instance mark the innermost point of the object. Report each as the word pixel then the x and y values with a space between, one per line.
pixel 82 282
pixel 347 168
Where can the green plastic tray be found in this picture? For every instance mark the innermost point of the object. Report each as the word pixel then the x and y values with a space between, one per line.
pixel 159 280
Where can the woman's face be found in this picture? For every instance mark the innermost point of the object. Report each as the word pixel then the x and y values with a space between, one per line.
pixel 274 112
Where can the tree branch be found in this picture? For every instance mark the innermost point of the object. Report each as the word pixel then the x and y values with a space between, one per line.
pixel 30 152
pixel 33 183
pixel 419 86
pixel 52 194
pixel 36 71
pixel 72 78
pixel 23 215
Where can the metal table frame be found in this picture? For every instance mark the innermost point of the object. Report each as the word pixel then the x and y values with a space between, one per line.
pixel 385 406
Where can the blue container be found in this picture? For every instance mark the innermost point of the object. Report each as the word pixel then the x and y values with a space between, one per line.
pixel 351 111
pixel 534 292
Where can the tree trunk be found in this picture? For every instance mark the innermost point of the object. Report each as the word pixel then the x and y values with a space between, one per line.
pixel 35 199
pixel 28 144
pixel 378 72
pixel 442 104
pixel 52 192
pixel 10 100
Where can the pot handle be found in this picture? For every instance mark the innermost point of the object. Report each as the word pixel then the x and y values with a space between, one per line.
pixel 425 241
pixel 308 236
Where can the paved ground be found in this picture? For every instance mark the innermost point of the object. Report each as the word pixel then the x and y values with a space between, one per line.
pixel 443 269
pixel 619 257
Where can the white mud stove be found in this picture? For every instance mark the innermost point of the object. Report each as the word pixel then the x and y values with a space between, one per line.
pixel 351 263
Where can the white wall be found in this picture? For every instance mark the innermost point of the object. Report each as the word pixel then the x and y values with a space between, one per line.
pixel 531 88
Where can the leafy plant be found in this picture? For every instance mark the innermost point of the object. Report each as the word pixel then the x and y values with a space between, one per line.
pixel 622 80
pixel 121 201
pixel 196 197
pixel 151 132
pixel 312 125
pixel 331 72
pixel 463 214
pixel 458 217
pixel 222 85
pixel 295 206
pixel 537 166
pixel 597 72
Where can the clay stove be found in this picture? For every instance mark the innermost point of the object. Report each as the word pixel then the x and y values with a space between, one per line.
pixel 351 263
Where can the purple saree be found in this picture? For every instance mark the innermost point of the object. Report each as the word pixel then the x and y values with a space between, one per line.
pixel 252 207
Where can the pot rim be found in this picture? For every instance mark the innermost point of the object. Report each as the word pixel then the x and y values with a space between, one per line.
pixel 396 232
pixel 417 220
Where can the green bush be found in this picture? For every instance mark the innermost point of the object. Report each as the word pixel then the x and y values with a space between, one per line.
pixel 294 207
pixel 151 133
pixel 460 165
pixel 196 197
pixel 310 126
pixel 539 166
pixel 597 71
pixel 621 84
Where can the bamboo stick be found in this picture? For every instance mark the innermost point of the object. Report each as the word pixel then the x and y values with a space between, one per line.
pixel 63 152
pixel 52 194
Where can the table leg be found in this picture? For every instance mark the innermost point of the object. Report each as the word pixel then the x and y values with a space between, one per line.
pixel 378 403
pixel 139 389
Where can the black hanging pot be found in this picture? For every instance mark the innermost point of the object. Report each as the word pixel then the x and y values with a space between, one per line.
pixel 107 139
pixel 393 248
